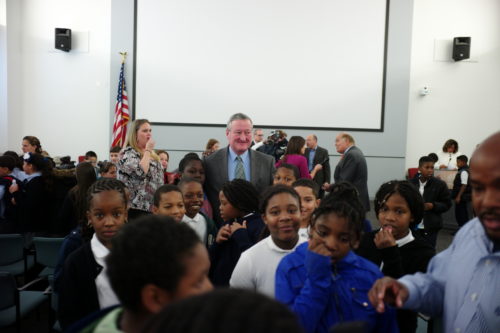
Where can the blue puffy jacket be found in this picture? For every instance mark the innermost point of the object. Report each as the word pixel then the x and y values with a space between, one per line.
pixel 322 295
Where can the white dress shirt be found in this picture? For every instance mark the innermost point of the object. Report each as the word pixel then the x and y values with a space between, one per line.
pixel 105 293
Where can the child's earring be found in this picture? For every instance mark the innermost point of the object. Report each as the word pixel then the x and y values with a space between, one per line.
pixel 89 224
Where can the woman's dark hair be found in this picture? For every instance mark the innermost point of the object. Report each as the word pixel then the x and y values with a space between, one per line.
pixel 161 151
pixel 225 310
pixel 343 201
pixel 102 185
pixel 211 143
pixel 409 193
pixel 292 167
pixel 242 195
pixel 85 177
pixel 18 159
pixel 164 189
pixel 33 140
pixel 149 250
pixel 295 145
pixel 186 159
pixel 105 166
pixel 448 144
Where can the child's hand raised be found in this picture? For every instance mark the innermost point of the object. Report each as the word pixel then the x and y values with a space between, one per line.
pixel 384 238
pixel 317 245
pixel 223 234
pixel 236 226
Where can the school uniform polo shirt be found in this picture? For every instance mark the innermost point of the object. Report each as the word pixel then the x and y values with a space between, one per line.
pixel 198 224
pixel 256 268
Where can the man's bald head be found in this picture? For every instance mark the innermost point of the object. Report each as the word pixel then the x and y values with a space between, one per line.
pixel 485 183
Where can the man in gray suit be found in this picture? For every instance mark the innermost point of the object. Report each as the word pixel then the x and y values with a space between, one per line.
pixel 318 155
pixel 237 161
pixel 352 167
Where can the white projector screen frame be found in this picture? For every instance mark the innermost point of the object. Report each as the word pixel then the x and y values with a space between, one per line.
pixel 287 64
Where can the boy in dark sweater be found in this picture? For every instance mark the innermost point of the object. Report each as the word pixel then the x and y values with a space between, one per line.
pixel 436 199
pixel 461 192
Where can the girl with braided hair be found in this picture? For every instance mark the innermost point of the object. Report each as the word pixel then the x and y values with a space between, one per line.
pixel 84 286
pixel 242 227
pixel 323 281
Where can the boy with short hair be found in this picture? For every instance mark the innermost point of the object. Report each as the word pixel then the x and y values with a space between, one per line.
pixel 436 199
pixel 286 174
pixel 461 192
pixel 91 157
pixel 192 192
pixel 168 201
pixel 153 262
pixel 308 191
pixel 114 154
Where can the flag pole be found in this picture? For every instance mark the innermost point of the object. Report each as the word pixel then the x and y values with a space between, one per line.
pixel 124 56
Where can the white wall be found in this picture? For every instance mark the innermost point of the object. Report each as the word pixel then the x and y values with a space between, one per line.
pixel 464 103
pixel 62 98
pixel 3 72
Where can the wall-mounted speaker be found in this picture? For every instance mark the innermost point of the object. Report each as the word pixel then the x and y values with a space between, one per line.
pixel 63 39
pixel 461 48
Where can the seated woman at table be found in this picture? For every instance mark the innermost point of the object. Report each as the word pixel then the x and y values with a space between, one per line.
pixel 448 157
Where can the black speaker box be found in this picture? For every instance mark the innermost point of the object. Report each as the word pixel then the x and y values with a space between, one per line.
pixel 63 39
pixel 461 48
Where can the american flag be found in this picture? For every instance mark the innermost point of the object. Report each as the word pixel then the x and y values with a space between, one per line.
pixel 122 115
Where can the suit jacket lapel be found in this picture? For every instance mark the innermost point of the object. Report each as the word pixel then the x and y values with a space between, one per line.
pixel 223 170
pixel 253 167
pixel 317 155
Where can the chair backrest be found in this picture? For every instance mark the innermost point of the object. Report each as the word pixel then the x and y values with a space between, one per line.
pixel 11 248
pixel 7 290
pixel 47 250
pixel 412 172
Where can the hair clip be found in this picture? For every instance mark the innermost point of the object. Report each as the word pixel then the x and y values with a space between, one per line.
pixel 26 156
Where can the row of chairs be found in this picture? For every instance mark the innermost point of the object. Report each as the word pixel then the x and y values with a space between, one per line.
pixel 16 302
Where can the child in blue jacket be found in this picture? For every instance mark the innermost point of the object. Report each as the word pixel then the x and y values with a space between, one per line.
pixel 323 281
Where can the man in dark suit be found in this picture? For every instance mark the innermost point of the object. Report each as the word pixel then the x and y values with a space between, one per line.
pixel 318 155
pixel 237 161
pixel 352 167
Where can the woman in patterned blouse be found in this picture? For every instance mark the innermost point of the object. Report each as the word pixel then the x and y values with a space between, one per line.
pixel 140 168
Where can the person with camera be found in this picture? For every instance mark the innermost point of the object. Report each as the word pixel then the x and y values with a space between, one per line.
pixel 275 145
